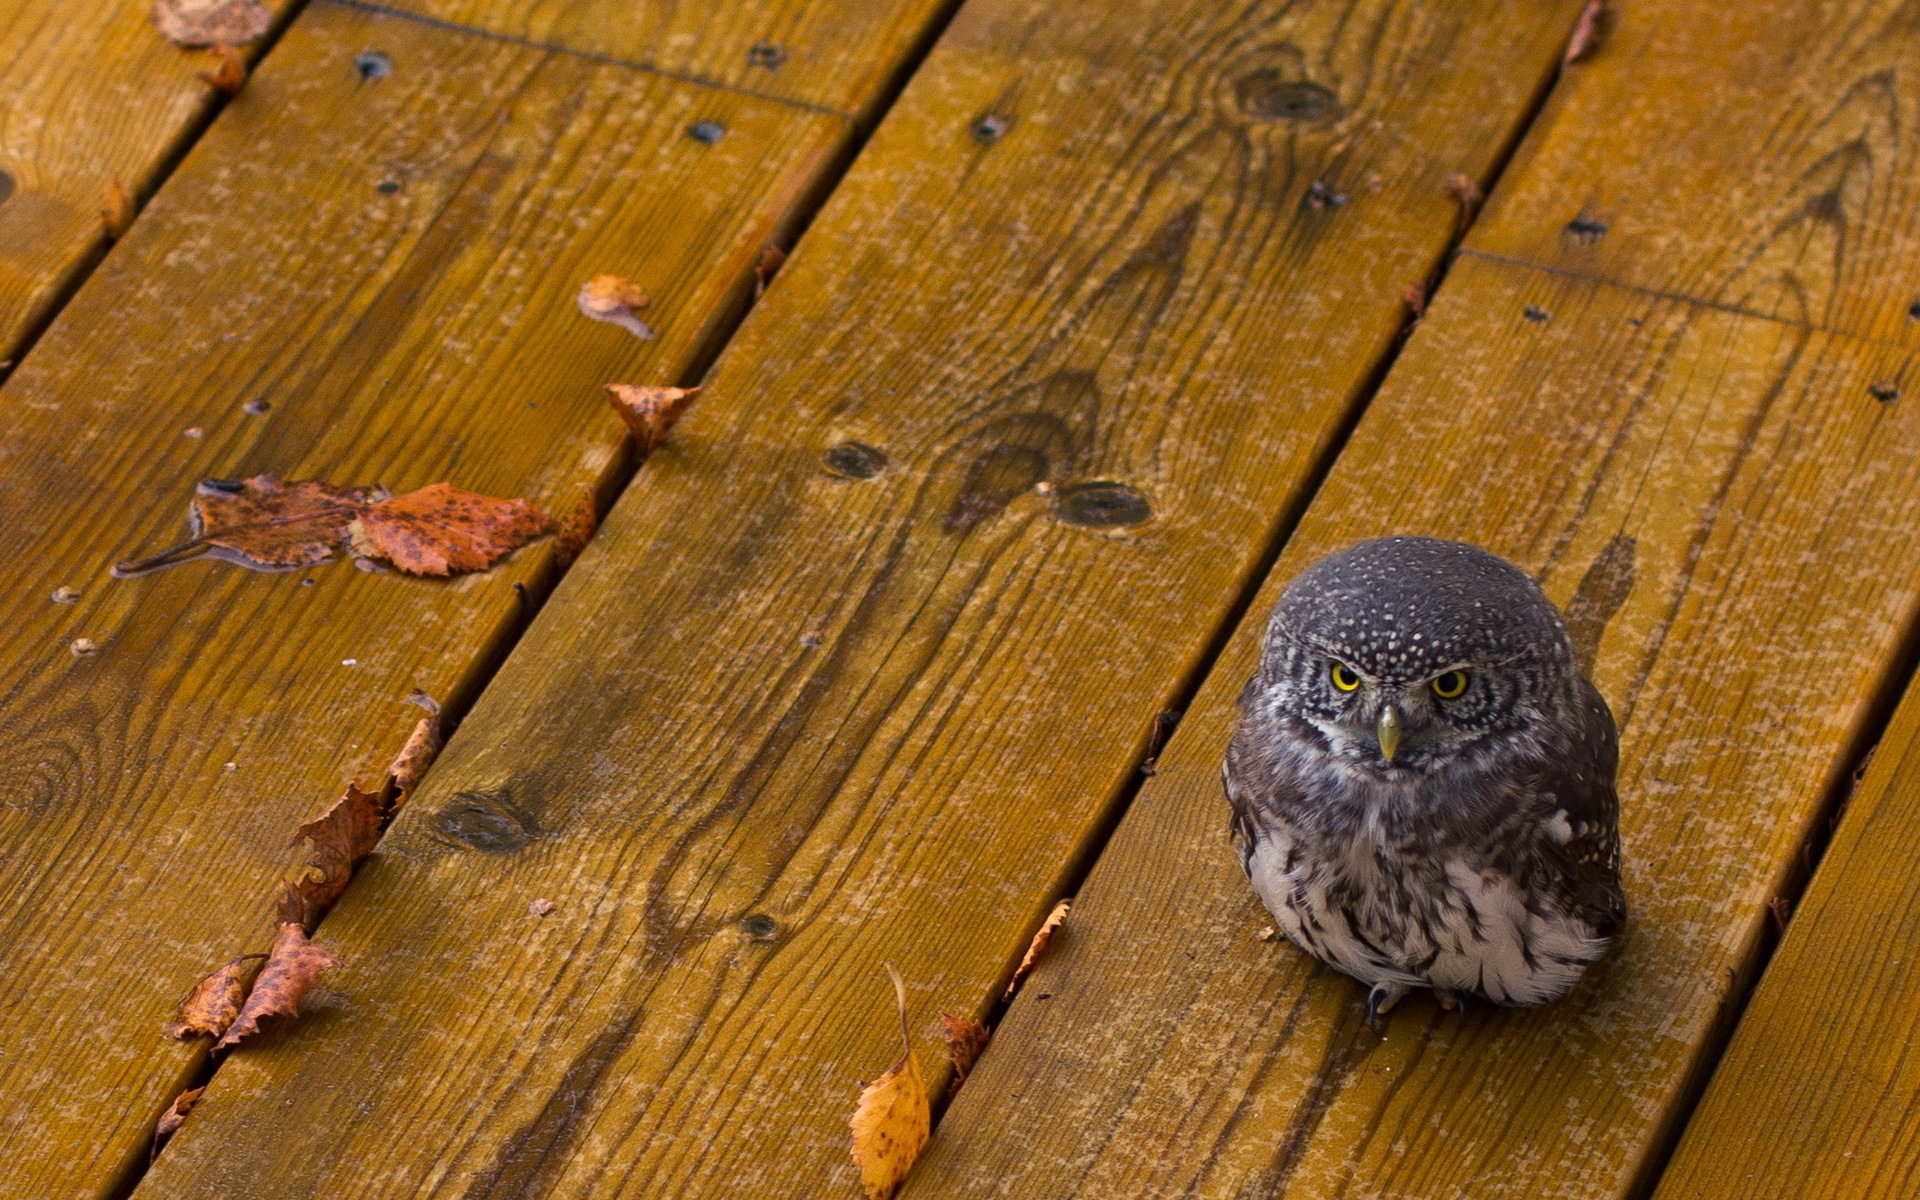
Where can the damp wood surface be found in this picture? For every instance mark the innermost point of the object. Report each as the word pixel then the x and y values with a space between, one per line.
pixel 1817 1096
pixel 1712 483
pixel 385 270
pixel 861 660
pixel 1770 502
pixel 90 93
pixel 831 54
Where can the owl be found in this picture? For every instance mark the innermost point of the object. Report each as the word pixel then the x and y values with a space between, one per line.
pixel 1422 782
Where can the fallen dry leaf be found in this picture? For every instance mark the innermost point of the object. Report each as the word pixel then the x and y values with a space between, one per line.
pixel 293 968
pixel 443 530
pixel 891 1122
pixel 116 208
pixel 1416 300
pixel 211 22
pixel 270 525
pixel 423 746
pixel 1038 946
pixel 174 1117
pixel 965 1038
pixel 213 1003
pixel 1468 193
pixel 340 837
pixel 1589 30
pixel 649 411
pixel 231 75
pixel 613 299
pixel 264 522
pixel 772 258
pixel 572 532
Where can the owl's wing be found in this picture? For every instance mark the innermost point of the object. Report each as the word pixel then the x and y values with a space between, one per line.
pixel 1242 826
pixel 1581 785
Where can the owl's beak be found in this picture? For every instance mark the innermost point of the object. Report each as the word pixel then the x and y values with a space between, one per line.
pixel 1389 731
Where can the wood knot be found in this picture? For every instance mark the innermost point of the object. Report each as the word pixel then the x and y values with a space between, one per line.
pixel 487 821
pixel 855 460
pixel 1268 95
pixel 1101 505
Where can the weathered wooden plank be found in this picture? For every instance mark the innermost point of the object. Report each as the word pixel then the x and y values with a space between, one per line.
pixel 1760 156
pixel 390 266
pixel 780 724
pixel 1769 503
pixel 1816 1096
pixel 89 93
pixel 836 55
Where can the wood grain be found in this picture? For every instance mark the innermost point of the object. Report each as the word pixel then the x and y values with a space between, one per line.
pixel 879 699
pixel 1759 156
pixel 389 266
pixel 1816 1096
pixel 89 93
pixel 1772 508
pixel 838 55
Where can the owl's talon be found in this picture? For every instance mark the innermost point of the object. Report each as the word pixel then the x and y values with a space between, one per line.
pixel 1380 1000
pixel 1449 999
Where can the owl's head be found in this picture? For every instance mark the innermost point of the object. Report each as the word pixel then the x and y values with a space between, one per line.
pixel 1406 652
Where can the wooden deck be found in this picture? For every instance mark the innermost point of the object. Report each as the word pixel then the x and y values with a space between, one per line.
pixel 1112 301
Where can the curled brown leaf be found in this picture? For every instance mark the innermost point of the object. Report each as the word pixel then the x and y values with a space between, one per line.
pixel 339 838
pixel 230 75
pixel 174 1117
pixel 292 969
pixel 1589 30
pixel 116 208
pixel 211 22
pixel 965 1038
pixel 1038 946
pixel 649 411
pixel 213 1003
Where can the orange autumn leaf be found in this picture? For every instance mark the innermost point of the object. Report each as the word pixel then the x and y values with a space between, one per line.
pixel 965 1038
pixel 1589 30
pixel 340 838
pixel 892 1120
pixel 213 1003
pixel 174 1117
pixel 649 411
pixel 572 532
pixel 231 75
pixel 116 208
pixel 772 258
pixel 443 530
pixel 211 22
pixel 613 299
pixel 292 969
pixel 1038 946
pixel 423 746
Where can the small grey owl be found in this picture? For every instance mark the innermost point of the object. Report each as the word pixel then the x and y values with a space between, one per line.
pixel 1422 780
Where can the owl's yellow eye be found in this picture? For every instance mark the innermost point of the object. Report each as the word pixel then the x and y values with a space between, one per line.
pixel 1449 684
pixel 1344 678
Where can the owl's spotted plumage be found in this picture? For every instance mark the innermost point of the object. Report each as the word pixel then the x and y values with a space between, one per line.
pixel 1422 781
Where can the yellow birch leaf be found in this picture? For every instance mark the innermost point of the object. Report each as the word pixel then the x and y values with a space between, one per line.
pixel 892 1120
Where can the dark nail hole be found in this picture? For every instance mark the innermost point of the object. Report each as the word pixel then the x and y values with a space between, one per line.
pixel 1913 312
pixel 855 460
pixel 990 128
pixel 1535 313
pixel 1885 392
pixel 255 408
pixel 1270 96
pixel 1101 505
pixel 707 132
pixel 760 927
pixel 767 54
pixel 372 64
pixel 387 187
pixel 6 186
pixel 306 583
pixel 1586 230
pixel 484 821
pixel 1319 195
